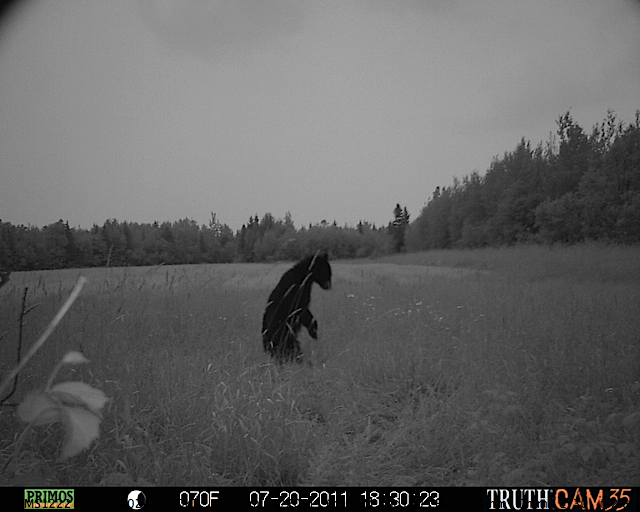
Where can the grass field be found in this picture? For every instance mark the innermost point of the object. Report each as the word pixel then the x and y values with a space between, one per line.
pixel 502 367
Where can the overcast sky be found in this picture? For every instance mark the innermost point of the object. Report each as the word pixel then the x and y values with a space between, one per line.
pixel 166 109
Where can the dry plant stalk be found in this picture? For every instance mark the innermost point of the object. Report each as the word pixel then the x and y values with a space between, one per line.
pixel 47 332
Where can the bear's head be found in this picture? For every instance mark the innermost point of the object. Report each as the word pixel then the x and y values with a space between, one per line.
pixel 321 270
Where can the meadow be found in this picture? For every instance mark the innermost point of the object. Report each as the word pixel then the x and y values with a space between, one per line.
pixel 498 367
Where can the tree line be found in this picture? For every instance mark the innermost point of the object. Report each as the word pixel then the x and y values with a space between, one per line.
pixel 115 243
pixel 577 187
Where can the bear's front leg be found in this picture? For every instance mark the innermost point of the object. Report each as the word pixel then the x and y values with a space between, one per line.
pixel 306 319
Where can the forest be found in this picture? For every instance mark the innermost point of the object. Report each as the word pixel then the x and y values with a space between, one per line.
pixel 576 187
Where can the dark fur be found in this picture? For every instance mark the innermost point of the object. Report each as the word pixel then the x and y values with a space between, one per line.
pixel 4 277
pixel 288 308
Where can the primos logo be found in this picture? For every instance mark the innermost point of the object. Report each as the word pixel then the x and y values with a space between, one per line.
pixel 48 498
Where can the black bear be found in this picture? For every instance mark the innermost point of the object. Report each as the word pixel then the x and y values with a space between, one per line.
pixel 288 307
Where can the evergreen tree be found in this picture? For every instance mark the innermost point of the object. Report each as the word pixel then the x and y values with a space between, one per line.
pixel 398 227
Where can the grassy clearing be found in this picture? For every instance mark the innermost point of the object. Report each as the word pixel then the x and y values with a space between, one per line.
pixel 524 374
pixel 590 263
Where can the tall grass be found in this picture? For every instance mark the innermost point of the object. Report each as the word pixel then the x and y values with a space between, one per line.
pixel 589 262
pixel 524 374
